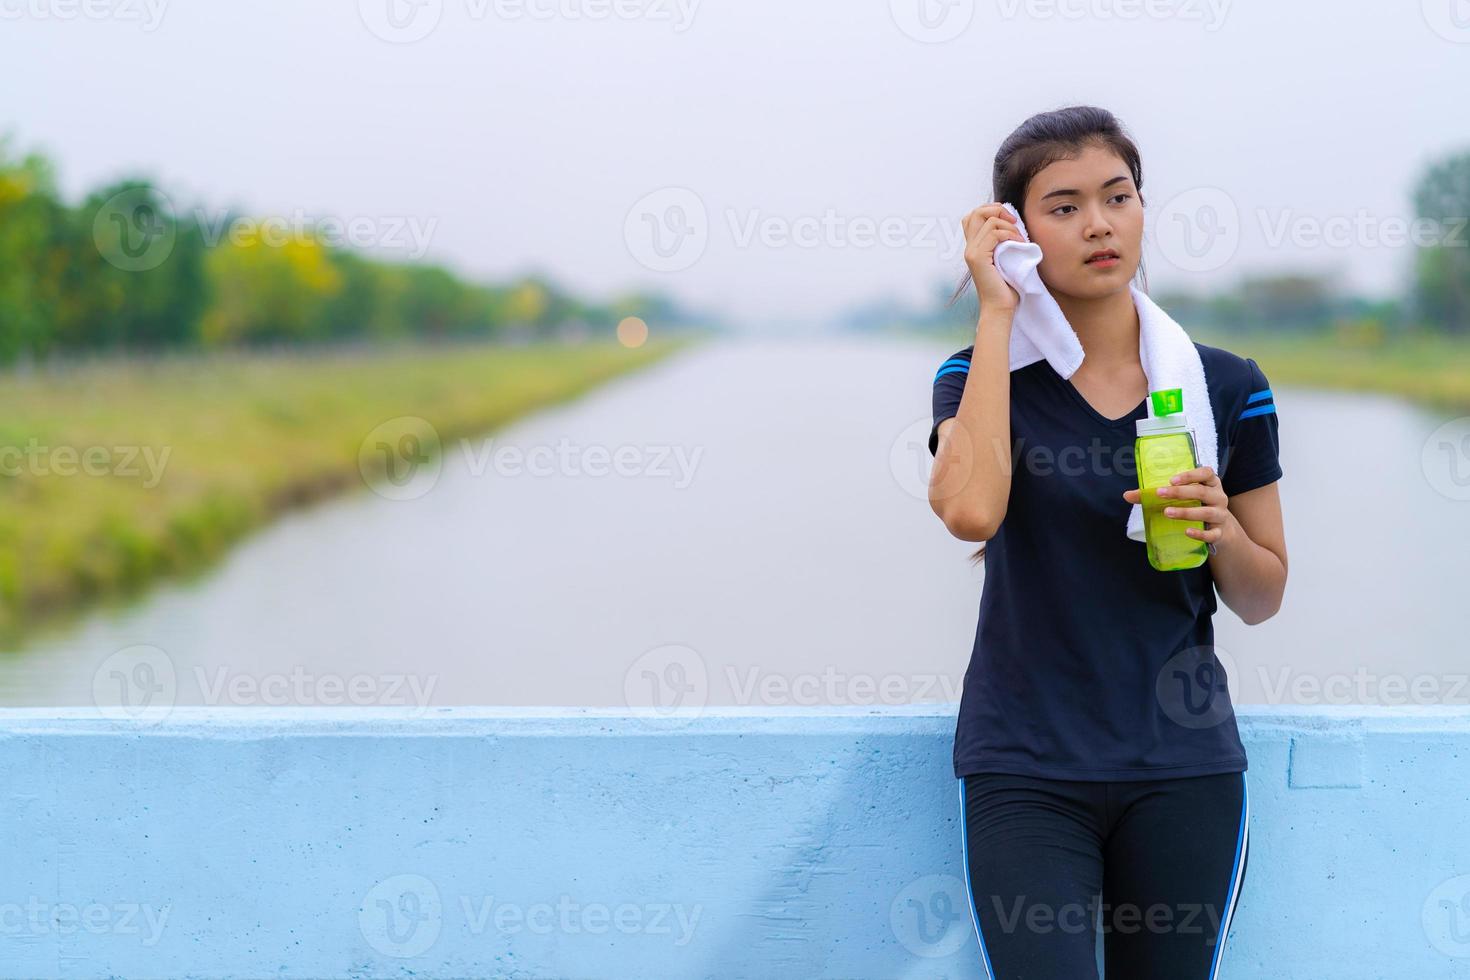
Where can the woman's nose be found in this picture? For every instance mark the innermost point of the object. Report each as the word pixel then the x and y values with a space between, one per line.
pixel 1098 225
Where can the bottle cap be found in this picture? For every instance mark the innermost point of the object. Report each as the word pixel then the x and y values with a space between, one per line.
pixel 1167 401
pixel 1167 406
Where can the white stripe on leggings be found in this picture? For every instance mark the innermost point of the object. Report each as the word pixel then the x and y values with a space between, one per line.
pixel 1237 876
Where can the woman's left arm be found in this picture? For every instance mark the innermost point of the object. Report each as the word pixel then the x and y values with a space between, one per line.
pixel 1249 563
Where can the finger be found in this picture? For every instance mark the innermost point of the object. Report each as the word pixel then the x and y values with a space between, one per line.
pixel 976 225
pixel 1205 494
pixel 994 226
pixel 1208 535
pixel 1132 496
pixel 972 222
pixel 983 241
pixel 1210 515
pixel 1200 474
pixel 994 209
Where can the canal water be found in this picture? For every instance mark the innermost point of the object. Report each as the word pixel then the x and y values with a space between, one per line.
pixel 746 524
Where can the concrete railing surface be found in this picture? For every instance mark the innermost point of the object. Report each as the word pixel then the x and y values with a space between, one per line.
pixel 587 842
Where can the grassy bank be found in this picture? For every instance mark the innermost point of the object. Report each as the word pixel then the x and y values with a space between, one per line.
pixel 116 474
pixel 1432 370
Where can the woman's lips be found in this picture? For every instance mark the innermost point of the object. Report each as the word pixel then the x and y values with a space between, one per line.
pixel 1106 262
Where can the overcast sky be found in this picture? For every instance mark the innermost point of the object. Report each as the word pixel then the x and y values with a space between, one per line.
pixel 777 160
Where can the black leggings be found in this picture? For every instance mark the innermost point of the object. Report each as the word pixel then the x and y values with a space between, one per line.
pixel 1156 865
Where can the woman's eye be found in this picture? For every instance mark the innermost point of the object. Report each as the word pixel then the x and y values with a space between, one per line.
pixel 1116 197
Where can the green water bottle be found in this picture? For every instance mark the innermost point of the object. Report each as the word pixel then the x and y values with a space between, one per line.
pixel 1164 447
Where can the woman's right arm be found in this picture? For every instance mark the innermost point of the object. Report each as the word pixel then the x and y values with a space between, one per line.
pixel 971 480
pixel 970 483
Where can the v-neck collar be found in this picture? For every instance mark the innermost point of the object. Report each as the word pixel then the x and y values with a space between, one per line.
pixel 1140 411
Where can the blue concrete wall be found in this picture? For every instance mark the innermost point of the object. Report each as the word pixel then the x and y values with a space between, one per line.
pixel 597 842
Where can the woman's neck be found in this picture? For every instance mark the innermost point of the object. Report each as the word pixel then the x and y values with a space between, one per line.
pixel 1107 326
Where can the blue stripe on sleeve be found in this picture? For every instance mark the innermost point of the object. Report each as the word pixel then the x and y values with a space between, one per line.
pixel 1258 410
pixel 1259 396
pixel 956 369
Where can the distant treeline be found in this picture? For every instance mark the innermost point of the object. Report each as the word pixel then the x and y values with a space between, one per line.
pixel 1286 303
pixel 125 270
pixel 1435 299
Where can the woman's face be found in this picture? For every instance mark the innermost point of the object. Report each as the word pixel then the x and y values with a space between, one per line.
pixel 1077 207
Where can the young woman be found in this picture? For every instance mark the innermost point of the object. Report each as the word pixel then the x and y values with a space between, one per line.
pixel 1102 779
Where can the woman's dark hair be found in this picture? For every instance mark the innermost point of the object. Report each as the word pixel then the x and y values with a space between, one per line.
pixel 1043 139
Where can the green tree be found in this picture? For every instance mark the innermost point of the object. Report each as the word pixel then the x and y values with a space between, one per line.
pixel 32 254
pixel 265 290
pixel 135 274
pixel 1442 271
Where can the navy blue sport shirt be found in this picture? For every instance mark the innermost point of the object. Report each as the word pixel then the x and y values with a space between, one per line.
pixel 1088 663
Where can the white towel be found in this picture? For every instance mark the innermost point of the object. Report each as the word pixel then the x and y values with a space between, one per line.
pixel 1169 357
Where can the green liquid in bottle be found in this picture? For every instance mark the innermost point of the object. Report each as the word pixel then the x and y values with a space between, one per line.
pixel 1160 454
